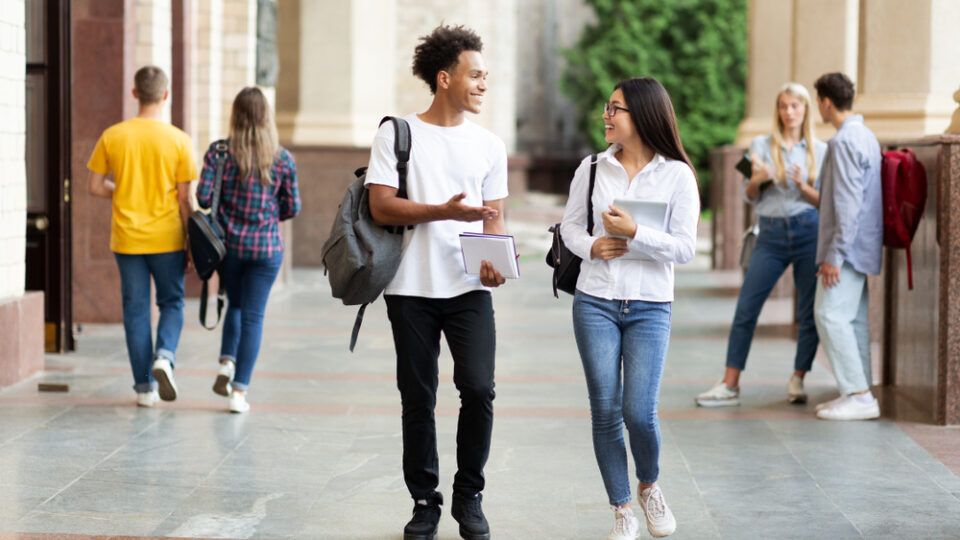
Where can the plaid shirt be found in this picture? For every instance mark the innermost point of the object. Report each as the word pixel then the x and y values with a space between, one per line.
pixel 249 211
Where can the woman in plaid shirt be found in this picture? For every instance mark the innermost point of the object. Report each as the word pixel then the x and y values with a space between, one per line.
pixel 258 191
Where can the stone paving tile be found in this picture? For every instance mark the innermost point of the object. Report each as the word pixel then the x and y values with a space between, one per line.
pixel 319 456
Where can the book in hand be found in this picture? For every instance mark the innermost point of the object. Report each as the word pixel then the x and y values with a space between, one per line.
pixel 499 249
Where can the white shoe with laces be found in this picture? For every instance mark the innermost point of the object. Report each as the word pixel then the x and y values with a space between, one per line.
pixel 720 395
pixel 660 520
pixel 852 408
pixel 795 393
pixel 163 372
pixel 626 526
pixel 238 402
pixel 828 404
pixel 147 399
pixel 225 375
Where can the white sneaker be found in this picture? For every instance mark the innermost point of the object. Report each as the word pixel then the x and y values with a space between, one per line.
pixel 719 396
pixel 163 373
pixel 238 403
pixel 795 393
pixel 828 404
pixel 222 385
pixel 660 520
pixel 147 399
pixel 851 408
pixel 626 526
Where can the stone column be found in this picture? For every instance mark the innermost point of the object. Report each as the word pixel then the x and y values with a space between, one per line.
pixel 103 44
pixel 908 65
pixel 795 40
pixel 154 45
pixel 337 75
pixel 21 313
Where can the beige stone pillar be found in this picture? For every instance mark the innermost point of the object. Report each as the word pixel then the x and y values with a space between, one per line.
pixel 909 68
pixel 337 73
pixel 795 40
pixel 345 64
pixel 154 45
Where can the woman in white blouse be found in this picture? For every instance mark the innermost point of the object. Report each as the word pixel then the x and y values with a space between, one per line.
pixel 621 310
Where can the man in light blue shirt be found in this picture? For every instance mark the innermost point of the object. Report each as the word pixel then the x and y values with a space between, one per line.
pixel 849 247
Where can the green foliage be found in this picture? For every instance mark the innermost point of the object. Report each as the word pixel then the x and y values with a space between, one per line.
pixel 696 48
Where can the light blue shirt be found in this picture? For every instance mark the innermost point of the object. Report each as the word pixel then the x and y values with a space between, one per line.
pixel 851 201
pixel 784 199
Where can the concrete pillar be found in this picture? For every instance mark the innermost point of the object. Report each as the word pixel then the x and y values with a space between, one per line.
pixel 795 40
pixel 337 71
pixel 104 61
pixel 326 99
pixel 908 65
pixel 154 45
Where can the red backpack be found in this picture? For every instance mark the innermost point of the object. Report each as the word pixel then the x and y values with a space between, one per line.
pixel 904 182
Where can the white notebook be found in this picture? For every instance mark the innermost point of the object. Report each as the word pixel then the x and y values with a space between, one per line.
pixel 651 214
pixel 499 249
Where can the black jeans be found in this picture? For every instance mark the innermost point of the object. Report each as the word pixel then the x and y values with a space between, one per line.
pixel 467 323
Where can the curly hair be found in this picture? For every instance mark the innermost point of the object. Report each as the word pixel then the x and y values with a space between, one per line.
pixel 838 87
pixel 440 51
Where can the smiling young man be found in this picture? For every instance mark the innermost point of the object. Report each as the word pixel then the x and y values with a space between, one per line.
pixel 456 182
pixel 849 246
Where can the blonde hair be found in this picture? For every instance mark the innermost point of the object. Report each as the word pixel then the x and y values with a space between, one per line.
pixel 798 91
pixel 253 135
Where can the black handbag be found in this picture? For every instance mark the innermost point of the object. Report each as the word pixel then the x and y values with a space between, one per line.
pixel 206 240
pixel 566 265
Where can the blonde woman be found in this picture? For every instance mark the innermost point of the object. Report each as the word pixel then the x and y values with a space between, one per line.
pixel 784 192
pixel 258 191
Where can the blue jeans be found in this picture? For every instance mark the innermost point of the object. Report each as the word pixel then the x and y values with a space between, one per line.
pixel 248 284
pixel 135 273
pixel 782 242
pixel 632 334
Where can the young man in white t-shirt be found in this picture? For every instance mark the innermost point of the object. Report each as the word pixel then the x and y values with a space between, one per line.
pixel 456 182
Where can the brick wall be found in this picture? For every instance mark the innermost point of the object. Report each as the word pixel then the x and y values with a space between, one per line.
pixel 13 188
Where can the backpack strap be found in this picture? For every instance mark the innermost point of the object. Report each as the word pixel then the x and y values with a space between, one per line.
pixel 402 144
pixel 356 326
pixel 221 148
pixel 221 298
pixel 593 181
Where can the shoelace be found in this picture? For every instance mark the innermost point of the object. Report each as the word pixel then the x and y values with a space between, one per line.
pixel 655 505
pixel 620 526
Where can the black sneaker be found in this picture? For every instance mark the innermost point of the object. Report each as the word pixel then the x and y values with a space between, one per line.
pixel 426 517
pixel 469 514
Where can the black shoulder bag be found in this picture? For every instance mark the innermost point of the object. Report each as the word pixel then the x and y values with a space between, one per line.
pixel 566 265
pixel 206 239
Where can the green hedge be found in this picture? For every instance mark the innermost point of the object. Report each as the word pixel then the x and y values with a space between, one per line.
pixel 696 48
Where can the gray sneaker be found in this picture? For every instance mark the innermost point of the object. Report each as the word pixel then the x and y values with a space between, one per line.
pixel 719 396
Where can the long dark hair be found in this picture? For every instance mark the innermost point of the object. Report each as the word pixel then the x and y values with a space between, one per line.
pixel 652 113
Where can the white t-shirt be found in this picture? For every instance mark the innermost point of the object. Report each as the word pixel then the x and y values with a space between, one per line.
pixel 444 161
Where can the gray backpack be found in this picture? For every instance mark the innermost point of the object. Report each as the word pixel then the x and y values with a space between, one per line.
pixel 360 257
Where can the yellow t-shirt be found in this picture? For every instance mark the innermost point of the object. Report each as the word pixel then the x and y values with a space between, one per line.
pixel 147 159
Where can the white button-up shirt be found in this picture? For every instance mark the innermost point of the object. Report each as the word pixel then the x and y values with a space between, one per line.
pixel 662 180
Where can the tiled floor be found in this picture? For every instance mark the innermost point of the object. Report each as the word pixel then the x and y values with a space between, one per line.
pixel 319 455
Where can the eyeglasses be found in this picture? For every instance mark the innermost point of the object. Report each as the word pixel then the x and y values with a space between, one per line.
pixel 611 110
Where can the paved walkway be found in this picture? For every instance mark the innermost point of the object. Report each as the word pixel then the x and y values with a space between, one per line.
pixel 319 455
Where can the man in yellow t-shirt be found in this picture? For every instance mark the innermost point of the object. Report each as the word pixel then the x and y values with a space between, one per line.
pixel 152 164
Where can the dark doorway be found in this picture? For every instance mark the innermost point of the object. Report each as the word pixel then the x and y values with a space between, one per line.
pixel 48 165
